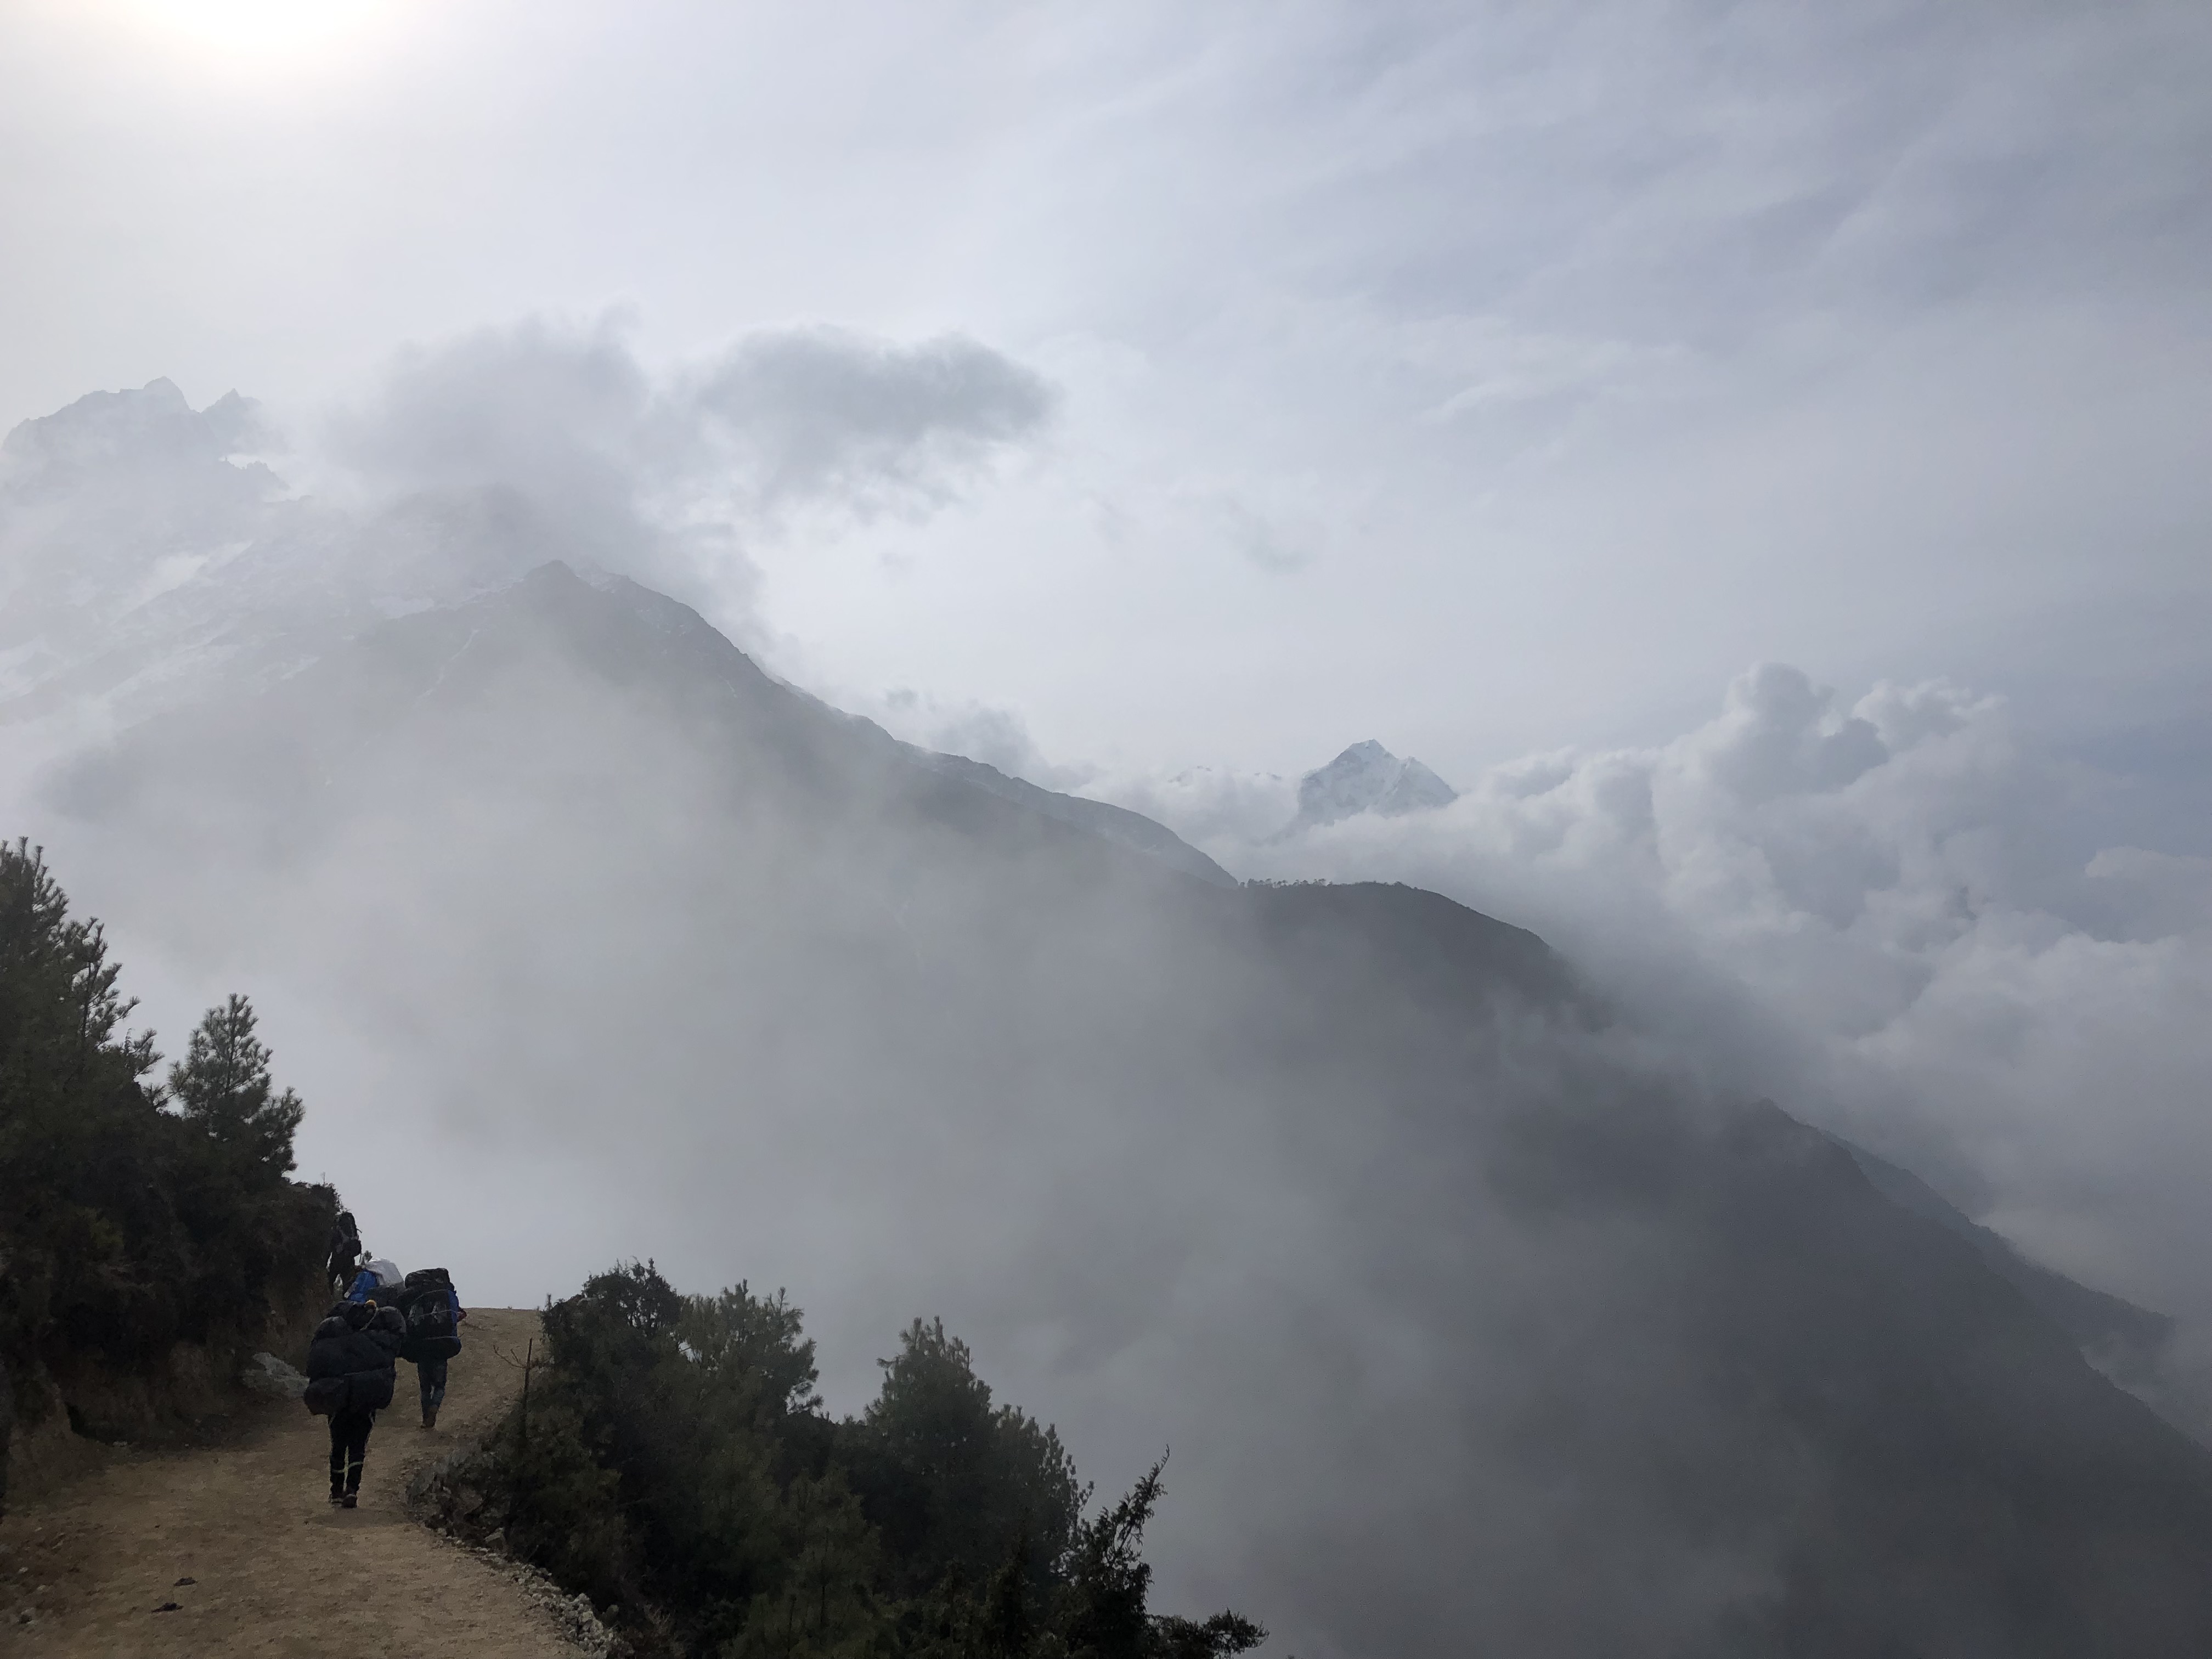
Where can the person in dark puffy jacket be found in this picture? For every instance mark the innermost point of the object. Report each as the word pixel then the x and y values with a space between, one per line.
pixel 357 1346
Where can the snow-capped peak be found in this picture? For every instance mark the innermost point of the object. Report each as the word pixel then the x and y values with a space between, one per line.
pixel 1368 778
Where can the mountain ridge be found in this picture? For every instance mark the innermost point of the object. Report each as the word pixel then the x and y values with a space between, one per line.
pixel 835 962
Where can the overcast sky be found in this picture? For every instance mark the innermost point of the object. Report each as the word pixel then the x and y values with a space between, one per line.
pixel 1477 378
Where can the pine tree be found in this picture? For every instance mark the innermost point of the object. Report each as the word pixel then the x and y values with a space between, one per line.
pixel 971 1477
pixel 81 1178
pixel 222 1087
pixel 125 1228
pixel 1109 1582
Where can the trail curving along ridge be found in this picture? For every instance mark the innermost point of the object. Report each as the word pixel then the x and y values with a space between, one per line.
pixel 274 1570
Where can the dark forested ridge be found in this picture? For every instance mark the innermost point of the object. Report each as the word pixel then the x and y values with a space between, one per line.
pixel 148 1235
pixel 1496 1333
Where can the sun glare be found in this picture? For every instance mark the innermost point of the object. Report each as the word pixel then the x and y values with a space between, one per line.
pixel 250 35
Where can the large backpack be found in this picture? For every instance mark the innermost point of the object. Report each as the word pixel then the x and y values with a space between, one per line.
pixel 433 1325
pixel 348 1368
pixel 421 1282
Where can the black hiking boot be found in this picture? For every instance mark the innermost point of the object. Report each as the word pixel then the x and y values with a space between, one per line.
pixel 429 1416
pixel 337 1497
pixel 350 1500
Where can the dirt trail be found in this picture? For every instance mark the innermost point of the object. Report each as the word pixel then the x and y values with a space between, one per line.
pixel 275 1570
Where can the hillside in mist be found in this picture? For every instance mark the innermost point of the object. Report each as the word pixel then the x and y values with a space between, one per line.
pixel 1472 1321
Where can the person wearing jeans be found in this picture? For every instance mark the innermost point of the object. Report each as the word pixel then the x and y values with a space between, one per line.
pixel 430 1370
pixel 430 1377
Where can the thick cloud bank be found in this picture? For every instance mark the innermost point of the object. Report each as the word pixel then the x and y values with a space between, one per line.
pixel 1891 913
pixel 1899 915
pixel 617 460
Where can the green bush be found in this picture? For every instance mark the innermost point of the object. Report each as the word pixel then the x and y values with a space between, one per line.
pixel 670 1458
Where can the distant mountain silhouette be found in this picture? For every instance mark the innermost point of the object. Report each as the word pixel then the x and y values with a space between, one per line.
pixel 1498 1338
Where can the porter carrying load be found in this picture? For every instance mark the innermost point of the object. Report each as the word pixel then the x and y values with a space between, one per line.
pixel 434 1315
pixel 433 1334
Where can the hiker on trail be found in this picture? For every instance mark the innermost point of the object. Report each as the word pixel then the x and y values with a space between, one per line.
pixel 345 1252
pixel 352 1364
pixel 433 1334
